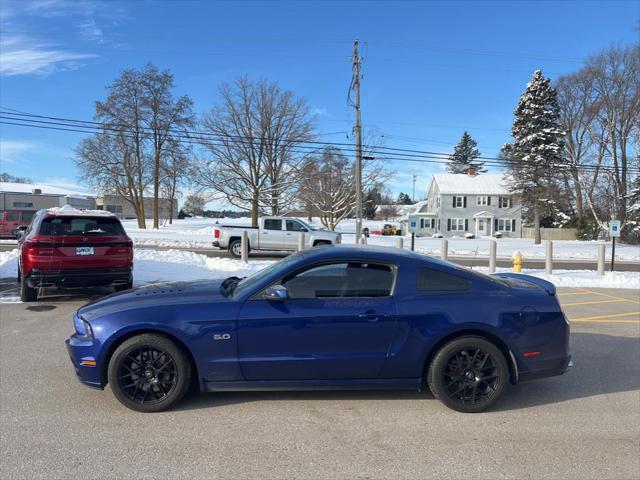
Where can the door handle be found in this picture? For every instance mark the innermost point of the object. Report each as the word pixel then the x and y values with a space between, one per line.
pixel 372 316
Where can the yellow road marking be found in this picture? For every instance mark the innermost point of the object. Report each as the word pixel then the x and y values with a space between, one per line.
pixel 635 322
pixel 572 293
pixel 613 296
pixel 596 302
pixel 614 315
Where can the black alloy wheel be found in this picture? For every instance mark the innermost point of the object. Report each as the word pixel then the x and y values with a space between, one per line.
pixel 468 374
pixel 149 373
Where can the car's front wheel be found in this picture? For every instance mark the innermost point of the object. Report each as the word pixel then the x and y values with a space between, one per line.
pixel 149 373
pixel 468 374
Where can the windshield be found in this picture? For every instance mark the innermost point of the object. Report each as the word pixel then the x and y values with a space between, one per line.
pixel 248 283
pixel 306 225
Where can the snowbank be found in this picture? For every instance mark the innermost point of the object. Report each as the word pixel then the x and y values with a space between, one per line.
pixel 198 233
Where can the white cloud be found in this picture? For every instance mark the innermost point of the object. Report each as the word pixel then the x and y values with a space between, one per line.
pixel 21 55
pixel 11 150
pixel 320 112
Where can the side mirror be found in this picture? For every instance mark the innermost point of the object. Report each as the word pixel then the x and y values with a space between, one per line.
pixel 277 293
pixel 19 232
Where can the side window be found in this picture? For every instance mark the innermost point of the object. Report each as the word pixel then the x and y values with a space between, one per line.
pixel 293 226
pixel 341 280
pixel 273 224
pixel 435 280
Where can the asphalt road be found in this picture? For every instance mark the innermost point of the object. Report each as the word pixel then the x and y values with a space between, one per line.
pixel 539 263
pixel 585 424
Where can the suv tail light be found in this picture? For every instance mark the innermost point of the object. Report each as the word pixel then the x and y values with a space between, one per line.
pixel 216 233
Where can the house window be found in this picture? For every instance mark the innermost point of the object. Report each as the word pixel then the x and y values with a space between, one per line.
pixel 422 223
pixel 504 202
pixel 433 223
pixel 458 202
pixel 504 224
pixel 482 201
pixel 438 202
pixel 457 224
pixel 23 204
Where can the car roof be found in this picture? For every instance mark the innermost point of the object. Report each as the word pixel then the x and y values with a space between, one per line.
pixel 370 252
pixel 74 212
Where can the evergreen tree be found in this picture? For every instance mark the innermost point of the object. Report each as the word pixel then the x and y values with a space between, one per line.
pixel 372 198
pixel 464 156
pixel 404 199
pixel 534 158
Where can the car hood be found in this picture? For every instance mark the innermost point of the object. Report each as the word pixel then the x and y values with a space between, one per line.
pixel 156 295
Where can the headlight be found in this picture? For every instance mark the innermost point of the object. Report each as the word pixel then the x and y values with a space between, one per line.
pixel 82 327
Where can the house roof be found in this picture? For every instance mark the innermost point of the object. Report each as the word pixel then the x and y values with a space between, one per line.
pixel 13 187
pixel 481 184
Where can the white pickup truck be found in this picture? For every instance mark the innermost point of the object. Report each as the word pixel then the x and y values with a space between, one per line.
pixel 273 234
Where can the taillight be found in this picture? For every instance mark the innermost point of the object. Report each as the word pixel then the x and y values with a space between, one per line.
pixel 216 233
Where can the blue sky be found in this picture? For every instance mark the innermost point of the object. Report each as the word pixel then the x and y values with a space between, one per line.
pixel 431 69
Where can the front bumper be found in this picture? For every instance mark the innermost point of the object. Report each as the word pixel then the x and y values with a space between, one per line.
pixel 80 277
pixel 83 354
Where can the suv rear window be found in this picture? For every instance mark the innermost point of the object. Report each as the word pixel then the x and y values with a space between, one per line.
pixel 61 226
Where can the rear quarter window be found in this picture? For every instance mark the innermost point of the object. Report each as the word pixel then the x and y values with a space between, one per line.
pixel 431 280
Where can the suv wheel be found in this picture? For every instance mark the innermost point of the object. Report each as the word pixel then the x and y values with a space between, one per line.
pixel 468 374
pixel 27 294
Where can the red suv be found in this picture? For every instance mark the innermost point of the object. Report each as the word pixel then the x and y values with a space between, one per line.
pixel 74 248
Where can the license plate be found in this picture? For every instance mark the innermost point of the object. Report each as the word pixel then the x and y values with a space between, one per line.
pixel 84 251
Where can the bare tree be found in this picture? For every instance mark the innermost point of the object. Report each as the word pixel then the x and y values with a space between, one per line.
pixel 109 164
pixel 175 168
pixel 615 74
pixel 164 117
pixel 252 138
pixel 578 114
pixel 328 187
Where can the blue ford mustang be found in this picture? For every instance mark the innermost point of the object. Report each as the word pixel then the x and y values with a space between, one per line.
pixel 340 317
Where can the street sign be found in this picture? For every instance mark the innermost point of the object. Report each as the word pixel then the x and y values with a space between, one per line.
pixel 413 223
pixel 614 228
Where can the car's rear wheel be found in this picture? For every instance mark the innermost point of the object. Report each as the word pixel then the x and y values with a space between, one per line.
pixel 27 294
pixel 149 373
pixel 468 374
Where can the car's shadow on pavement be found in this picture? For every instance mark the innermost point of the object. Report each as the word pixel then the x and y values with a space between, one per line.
pixel 604 364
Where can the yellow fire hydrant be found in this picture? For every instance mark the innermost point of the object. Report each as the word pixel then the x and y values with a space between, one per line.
pixel 517 258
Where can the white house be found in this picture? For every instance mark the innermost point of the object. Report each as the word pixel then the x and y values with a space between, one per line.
pixel 459 204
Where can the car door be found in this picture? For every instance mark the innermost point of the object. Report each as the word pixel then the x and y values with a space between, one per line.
pixel 337 323
pixel 272 235
pixel 293 230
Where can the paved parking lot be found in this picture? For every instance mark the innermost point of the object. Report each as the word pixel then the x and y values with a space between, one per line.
pixel 585 424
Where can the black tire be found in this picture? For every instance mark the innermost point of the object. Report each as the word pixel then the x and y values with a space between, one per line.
pixel 123 287
pixel 468 374
pixel 166 377
pixel 27 294
pixel 235 248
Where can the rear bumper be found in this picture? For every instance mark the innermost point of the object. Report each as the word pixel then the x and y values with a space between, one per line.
pixel 80 277
pixel 547 368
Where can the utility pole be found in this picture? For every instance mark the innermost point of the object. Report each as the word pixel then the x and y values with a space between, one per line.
pixel 358 132
pixel 414 190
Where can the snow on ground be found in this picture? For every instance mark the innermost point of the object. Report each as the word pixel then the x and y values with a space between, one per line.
pixel 198 233
pixel 177 265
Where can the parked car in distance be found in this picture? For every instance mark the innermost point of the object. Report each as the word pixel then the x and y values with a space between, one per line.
pixel 64 247
pixel 11 222
pixel 344 317
pixel 273 234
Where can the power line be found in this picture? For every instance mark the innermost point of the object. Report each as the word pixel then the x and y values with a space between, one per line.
pixel 208 138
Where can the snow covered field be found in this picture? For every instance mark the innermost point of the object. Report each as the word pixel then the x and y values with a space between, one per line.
pixel 198 233
pixel 178 265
